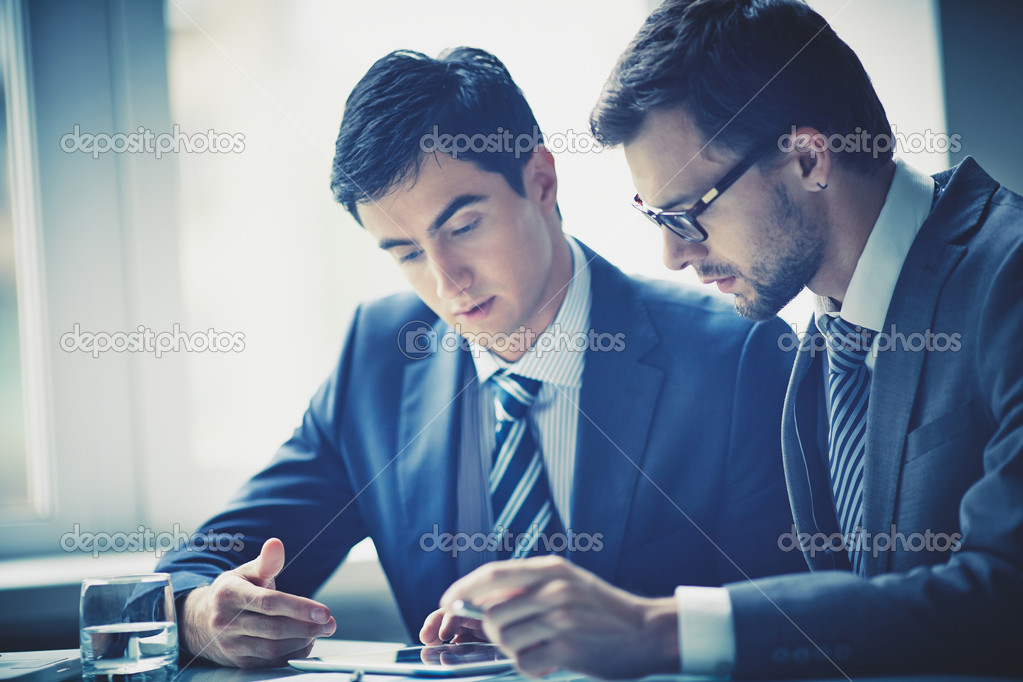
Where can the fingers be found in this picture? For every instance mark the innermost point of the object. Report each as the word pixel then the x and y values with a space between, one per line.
pixel 263 569
pixel 267 650
pixel 453 626
pixel 517 637
pixel 279 661
pixel 255 640
pixel 244 596
pixel 443 626
pixel 429 634
pixel 279 640
pixel 241 620
pixel 540 661
pixel 279 627
pixel 465 636
pixel 547 614
pixel 449 625
pixel 501 578
pixel 539 602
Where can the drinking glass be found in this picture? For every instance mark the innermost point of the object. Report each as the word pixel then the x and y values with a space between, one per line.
pixel 127 628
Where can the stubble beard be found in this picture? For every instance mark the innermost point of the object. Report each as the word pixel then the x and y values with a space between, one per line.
pixel 790 251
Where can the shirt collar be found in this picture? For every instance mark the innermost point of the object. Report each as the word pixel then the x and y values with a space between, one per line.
pixel 555 356
pixel 873 281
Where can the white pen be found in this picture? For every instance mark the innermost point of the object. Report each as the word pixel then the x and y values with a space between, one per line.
pixel 466 609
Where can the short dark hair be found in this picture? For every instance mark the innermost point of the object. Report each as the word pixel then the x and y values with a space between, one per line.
pixel 407 97
pixel 746 72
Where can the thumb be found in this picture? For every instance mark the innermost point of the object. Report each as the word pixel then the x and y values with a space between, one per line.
pixel 262 570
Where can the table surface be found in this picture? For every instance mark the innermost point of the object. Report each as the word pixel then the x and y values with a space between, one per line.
pixel 206 672
pixel 334 647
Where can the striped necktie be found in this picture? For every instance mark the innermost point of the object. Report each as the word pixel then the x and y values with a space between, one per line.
pixel 849 391
pixel 519 493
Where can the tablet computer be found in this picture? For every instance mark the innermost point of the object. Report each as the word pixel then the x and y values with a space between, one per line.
pixel 40 666
pixel 444 660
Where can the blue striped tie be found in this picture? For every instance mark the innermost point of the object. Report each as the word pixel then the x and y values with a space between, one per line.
pixel 849 391
pixel 519 493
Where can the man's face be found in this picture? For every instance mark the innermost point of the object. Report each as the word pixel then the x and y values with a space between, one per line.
pixel 484 258
pixel 762 244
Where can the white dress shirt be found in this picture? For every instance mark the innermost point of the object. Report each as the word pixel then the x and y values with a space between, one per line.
pixel 555 360
pixel 873 282
pixel 705 625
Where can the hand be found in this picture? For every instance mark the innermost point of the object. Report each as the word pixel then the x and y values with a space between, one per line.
pixel 443 626
pixel 241 620
pixel 546 614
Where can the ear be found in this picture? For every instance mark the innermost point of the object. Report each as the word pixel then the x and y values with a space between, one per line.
pixel 540 179
pixel 809 159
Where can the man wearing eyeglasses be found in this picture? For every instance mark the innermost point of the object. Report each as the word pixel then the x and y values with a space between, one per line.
pixel 758 145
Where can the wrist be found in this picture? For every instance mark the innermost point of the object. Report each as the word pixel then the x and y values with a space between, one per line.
pixel 660 632
pixel 190 629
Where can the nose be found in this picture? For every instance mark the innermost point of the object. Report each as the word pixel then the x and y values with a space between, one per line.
pixel 678 253
pixel 452 277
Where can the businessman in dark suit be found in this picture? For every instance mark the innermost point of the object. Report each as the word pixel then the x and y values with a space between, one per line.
pixel 650 450
pixel 759 147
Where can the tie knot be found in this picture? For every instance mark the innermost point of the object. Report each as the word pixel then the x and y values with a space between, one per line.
pixel 848 344
pixel 514 395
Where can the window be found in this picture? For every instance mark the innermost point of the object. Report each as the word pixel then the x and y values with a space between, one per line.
pixel 26 485
pixel 14 488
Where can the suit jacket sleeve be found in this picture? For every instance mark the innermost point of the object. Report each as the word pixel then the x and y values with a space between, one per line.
pixel 303 496
pixel 962 615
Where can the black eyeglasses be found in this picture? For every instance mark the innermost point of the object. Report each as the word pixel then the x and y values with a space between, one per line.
pixel 684 223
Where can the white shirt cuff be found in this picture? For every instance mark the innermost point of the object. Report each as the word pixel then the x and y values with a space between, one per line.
pixel 705 630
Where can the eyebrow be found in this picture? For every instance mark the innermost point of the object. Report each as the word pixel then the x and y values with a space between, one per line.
pixel 453 207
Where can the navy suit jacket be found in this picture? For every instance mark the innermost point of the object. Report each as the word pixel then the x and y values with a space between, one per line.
pixel 678 462
pixel 944 456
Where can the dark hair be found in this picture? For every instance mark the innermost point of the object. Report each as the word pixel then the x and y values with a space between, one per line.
pixel 405 105
pixel 746 72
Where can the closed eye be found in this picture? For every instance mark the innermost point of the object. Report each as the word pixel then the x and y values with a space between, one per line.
pixel 417 254
pixel 411 256
pixel 465 230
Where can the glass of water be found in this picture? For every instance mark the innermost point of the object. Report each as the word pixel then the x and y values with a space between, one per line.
pixel 127 628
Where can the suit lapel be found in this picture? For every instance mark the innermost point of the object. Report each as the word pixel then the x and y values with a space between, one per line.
pixel 806 475
pixel 798 434
pixel 617 402
pixel 895 379
pixel 427 464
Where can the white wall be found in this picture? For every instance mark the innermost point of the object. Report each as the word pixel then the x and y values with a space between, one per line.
pixel 266 252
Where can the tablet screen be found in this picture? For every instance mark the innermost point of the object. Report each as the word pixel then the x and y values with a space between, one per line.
pixel 448 654
pixel 442 660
